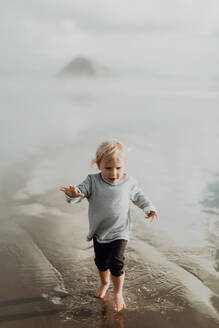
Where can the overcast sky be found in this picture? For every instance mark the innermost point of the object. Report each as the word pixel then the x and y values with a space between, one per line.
pixel 173 37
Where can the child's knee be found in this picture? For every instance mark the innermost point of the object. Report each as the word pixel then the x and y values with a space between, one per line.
pixel 101 265
pixel 116 266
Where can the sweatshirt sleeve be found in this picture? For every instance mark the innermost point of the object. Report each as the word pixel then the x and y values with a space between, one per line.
pixel 139 199
pixel 85 188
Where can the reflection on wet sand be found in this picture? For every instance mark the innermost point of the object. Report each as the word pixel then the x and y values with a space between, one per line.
pixel 109 320
pixel 26 315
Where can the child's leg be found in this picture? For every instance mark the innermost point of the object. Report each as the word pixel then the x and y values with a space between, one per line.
pixel 105 282
pixel 109 257
pixel 102 257
pixel 118 292
pixel 117 273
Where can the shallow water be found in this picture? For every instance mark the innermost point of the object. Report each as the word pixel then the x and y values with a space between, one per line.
pixel 49 133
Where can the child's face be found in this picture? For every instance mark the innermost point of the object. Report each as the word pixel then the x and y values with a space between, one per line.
pixel 112 168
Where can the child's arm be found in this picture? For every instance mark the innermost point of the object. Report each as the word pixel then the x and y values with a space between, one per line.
pixel 74 194
pixel 143 202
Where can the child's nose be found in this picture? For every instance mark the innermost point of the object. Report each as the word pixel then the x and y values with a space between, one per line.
pixel 114 173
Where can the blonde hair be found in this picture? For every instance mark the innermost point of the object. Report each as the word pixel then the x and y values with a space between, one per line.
pixel 109 148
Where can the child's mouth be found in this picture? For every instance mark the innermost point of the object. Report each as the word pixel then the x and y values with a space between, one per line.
pixel 112 179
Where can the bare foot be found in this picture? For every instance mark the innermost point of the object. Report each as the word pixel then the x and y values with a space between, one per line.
pixel 119 303
pixel 101 292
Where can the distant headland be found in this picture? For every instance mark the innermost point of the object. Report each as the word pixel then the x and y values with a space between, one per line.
pixel 83 67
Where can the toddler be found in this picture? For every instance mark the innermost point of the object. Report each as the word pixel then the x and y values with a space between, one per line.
pixel 109 193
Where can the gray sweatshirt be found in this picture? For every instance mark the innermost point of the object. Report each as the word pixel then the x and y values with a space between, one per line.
pixel 109 206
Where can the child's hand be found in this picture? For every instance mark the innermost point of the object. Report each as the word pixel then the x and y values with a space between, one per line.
pixel 152 215
pixel 72 191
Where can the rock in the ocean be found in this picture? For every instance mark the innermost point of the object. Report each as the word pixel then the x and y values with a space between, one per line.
pixel 81 66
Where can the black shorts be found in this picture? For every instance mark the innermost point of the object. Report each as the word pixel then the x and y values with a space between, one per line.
pixel 110 256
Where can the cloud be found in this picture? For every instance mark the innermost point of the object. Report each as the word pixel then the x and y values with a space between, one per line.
pixel 43 35
pixel 103 16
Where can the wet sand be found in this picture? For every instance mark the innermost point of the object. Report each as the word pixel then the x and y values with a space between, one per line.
pixel 48 274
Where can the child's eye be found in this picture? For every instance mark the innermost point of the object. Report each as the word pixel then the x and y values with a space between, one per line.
pixel 118 168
